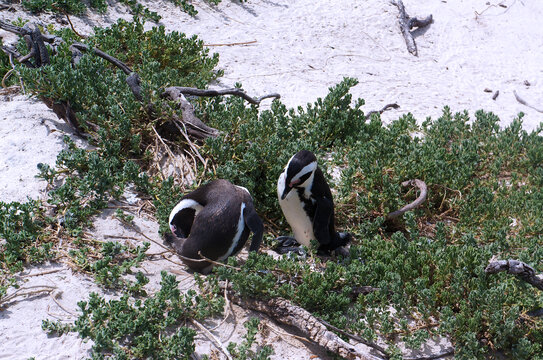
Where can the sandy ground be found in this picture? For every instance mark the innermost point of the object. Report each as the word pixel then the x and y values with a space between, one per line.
pixel 298 48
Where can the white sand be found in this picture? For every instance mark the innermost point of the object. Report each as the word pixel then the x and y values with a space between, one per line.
pixel 300 49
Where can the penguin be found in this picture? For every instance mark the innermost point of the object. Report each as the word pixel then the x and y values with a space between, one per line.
pixel 214 220
pixel 306 201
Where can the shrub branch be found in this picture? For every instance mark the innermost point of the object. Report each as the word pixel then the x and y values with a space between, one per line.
pixel 514 267
pixel 418 201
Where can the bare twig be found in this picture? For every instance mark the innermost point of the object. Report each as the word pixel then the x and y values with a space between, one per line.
pixel 418 201
pixel 523 102
pixel 386 107
pixel 514 267
pixel 213 338
pixel 27 291
pixel 209 92
pixel 233 44
pixel 42 273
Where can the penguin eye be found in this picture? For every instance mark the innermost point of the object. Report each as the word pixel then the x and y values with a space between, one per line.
pixel 303 178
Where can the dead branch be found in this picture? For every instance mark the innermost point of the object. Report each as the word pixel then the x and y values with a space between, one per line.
pixel 407 23
pixel 385 108
pixel 514 267
pixel 194 126
pixel 209 92
pixel 357 338
pixel 418 201
pixel 495 96
pixel 523 102
pixel 287 313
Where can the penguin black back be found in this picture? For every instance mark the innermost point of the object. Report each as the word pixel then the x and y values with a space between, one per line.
pixel 214 220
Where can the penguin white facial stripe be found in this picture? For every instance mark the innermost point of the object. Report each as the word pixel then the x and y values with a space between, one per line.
pixel 184 204
pixel 235 240
pixel 309 168
pixel 242 188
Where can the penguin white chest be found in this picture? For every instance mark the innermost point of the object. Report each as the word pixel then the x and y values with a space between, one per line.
pixel 293 209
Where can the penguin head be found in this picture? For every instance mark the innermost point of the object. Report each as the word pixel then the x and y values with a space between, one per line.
pixel 299 171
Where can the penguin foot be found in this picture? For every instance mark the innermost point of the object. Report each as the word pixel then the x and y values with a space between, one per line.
pixel 288 244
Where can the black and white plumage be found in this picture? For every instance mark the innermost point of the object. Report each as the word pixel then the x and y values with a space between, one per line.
pixel 214 220
pixel 306 201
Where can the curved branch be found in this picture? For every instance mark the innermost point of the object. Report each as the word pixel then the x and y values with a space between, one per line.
pixel 418 201
pixel 118 63
pixel 514 267
pixel 208 92
pixel 386 107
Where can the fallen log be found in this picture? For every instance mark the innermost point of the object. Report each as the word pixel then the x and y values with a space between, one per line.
pixel 287 313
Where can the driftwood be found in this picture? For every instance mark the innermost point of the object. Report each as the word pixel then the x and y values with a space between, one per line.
pixel 418 201
pixel 514 267
pixel 188 121
pixel 408 23
pixel 287 313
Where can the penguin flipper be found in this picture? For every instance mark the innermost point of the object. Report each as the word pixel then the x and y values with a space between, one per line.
pixel 321 220
pixel 254 223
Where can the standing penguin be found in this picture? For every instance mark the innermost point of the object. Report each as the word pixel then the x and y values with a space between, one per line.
pixel 306 201
pixel 214 220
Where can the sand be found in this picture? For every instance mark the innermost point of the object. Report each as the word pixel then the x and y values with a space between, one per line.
pixel 298 48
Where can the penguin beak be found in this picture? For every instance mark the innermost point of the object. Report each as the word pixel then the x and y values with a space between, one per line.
pixel 288 188
pixel 173 228
pixel 285 192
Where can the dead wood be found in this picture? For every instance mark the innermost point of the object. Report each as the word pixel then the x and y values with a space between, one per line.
pixel 418 201
pixel 209 92
pixel 495 96
pixel 287 313
pixel 385 108
pixel 514 267
pixel 407 24
pixel 523 102
pixel 195 127
pixel 191 124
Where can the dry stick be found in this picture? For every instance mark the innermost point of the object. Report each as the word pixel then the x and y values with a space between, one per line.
pixel 42 273
pixel 209 92
pixel 357 338
pixel 70 21
pixel 287 313
pixel 418 201
pixel 215 262
pixel 213 338
pixel 233 44
pixel 520 100
pixel 407 23
pixel 20 292
pixel 386 107
pixel 521 270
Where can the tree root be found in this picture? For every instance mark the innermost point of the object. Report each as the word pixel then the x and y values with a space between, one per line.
pixel 521 270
